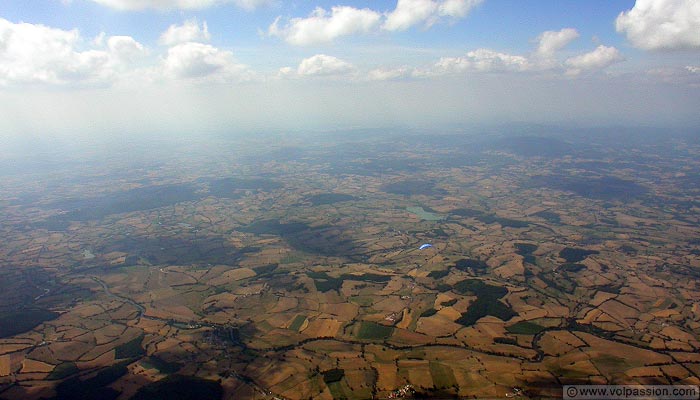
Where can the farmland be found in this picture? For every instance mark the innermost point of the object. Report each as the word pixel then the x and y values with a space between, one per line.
pixel 246 275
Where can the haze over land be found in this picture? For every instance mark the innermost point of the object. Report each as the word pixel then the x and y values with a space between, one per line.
pixel 390 199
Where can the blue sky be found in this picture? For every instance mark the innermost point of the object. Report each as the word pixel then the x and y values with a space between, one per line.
pixel 493 23
pixel 502 25
pixel 229 64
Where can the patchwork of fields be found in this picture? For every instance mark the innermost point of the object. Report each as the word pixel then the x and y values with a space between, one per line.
pixel 257 278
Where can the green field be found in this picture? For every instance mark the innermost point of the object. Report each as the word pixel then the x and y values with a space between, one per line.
pixel 525 328
pixel 364 301
pixel 424 215
pixel 297 323
pixel 291 259
pixel 442 375
pixel 338 390
pixel 372 330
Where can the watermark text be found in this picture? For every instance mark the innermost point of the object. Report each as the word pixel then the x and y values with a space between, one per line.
pixel 625 392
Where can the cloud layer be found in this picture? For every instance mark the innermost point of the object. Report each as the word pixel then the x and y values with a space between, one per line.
pixel 662 24
pixel 323 26
pixel 549 42
pixel 189 31
pixel 323 65
pixel 484 60
pixel 37 54
pixel 601 57
pixel 198 60
pixel 409 13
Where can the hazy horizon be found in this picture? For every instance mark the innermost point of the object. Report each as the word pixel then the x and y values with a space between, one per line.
pixel 92 67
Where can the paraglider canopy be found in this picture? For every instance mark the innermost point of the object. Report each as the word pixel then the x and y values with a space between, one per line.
pixel 425 246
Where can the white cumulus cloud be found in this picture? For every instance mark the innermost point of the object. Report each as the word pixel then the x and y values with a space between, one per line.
pixel 198 60
pixel 662 24
pixel 410 12
pixel 414 12
pixel 457 8
pixel 384 74
pixel 189 31
pixel 323 27
pixel 601 57
pixel 483 60
pixel 322 64
pixel 125 48
pixel 136 5
pixel 37 54
pixel 544 59
pixel 549 42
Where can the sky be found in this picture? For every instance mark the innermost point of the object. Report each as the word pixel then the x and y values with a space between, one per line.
pixel 94 67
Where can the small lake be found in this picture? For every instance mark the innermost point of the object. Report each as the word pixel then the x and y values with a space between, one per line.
pixel 424 215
